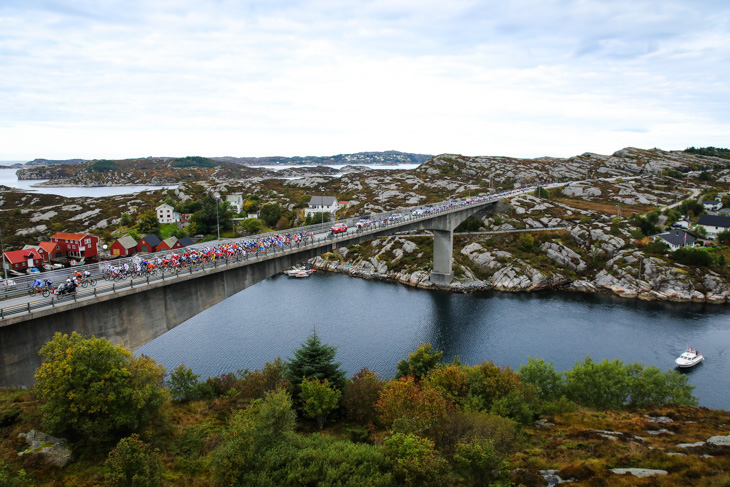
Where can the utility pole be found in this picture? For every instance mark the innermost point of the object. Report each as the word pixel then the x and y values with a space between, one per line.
pixel 2 251
pixel 638 283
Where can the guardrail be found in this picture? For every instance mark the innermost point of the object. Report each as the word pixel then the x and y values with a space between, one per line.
pixel 386 219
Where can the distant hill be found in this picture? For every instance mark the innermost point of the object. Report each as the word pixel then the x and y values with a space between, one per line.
pixel 45 162
pixel 386 157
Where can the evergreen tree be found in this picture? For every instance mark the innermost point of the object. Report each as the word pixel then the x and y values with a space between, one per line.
pixel 315 360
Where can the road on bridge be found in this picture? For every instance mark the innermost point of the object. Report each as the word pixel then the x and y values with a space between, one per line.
pixel 20 301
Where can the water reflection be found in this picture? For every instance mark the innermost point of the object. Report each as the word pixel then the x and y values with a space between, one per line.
pixel 376 324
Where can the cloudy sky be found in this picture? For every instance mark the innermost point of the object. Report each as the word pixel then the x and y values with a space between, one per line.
pixel 528 78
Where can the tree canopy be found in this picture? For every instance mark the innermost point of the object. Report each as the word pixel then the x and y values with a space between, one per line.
pixel 315 360
pixel 94 391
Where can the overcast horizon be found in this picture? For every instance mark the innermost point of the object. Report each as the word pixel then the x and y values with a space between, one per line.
pixel 525 78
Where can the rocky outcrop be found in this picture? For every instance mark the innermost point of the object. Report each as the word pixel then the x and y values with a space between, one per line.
pixel 490 269
pixel 54 451
pixel 563 256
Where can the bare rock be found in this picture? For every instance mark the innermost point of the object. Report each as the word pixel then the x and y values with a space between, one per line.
pixel 719 440
pixel 563 256
pixel 639 472
pixel 53 450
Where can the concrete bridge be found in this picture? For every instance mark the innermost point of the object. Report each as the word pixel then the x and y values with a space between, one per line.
pixel 137 311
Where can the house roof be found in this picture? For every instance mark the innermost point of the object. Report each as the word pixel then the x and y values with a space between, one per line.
pixel 677 237
pixel 170 241
pixel 153 240
pixel 48 246
pixel 127 242
pixel 322 201
pixel 164 205
pixel 714 221
pixel 711 202
pixel 725 211
pixel 69 236
pixel 18 256
pixel 186 241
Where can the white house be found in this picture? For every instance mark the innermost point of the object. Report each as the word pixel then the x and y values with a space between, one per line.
pixel 676 239
pixel 167 214
pixel 712 205
pixel 322 204
pixel 236 201
pixel 714 224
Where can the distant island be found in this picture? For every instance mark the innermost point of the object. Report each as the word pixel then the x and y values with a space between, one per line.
pixel 608 228
pixel 385 157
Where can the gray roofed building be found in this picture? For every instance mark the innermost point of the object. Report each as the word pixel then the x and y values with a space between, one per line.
pixel 319 201
pixel 186 241
pixel 127 242
pixel 714 224
pixel 153 240
pixel 676 239
pixel 322 204
pixel 712 205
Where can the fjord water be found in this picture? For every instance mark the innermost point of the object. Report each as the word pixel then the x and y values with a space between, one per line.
pixel 375 324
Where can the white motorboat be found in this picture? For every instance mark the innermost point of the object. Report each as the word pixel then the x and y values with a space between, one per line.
pixel 299 271
pixel 690 358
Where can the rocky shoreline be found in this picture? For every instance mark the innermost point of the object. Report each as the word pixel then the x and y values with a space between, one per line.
pixel 421 280
pixel 660 280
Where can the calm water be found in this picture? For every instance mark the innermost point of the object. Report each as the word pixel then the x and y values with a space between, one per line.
pixel 8 178
pixel 375 324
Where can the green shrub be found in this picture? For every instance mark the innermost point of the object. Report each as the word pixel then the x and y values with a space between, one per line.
pixel 526 242
pixel 656 247
pixel 477 460
pixel 94 391
pixel 652 386
pixel 598 385
pixel 415 460
pixel 265 424
pixel 319 460
pixel 360 395
pixel 132 464
pixel 319 399
pixel 547 381
pixel 185 385
pixel 420 362
pixel 693 257
pixel 8 478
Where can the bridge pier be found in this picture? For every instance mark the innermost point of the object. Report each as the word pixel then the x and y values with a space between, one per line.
pixel 443 249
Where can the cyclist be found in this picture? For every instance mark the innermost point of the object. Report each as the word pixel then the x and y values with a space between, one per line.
pixel 37 285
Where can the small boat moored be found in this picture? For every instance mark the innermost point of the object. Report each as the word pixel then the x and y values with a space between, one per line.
pixel 690 358
pixel 299 271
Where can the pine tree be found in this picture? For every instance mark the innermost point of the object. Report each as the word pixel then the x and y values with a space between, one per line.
pixel 315 360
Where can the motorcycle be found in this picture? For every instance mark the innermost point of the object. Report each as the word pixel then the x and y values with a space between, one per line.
pixel 65 288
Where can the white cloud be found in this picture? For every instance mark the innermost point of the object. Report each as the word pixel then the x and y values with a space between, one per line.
pixel 525 78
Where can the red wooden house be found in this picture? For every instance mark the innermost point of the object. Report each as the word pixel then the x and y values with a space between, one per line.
pixel 171 243
pixel 20 260
pixel 148 243
pixel 77 245
pixel 52 249
pixel 124 246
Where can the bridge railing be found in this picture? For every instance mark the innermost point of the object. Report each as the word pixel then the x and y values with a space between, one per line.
pixel 385 219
